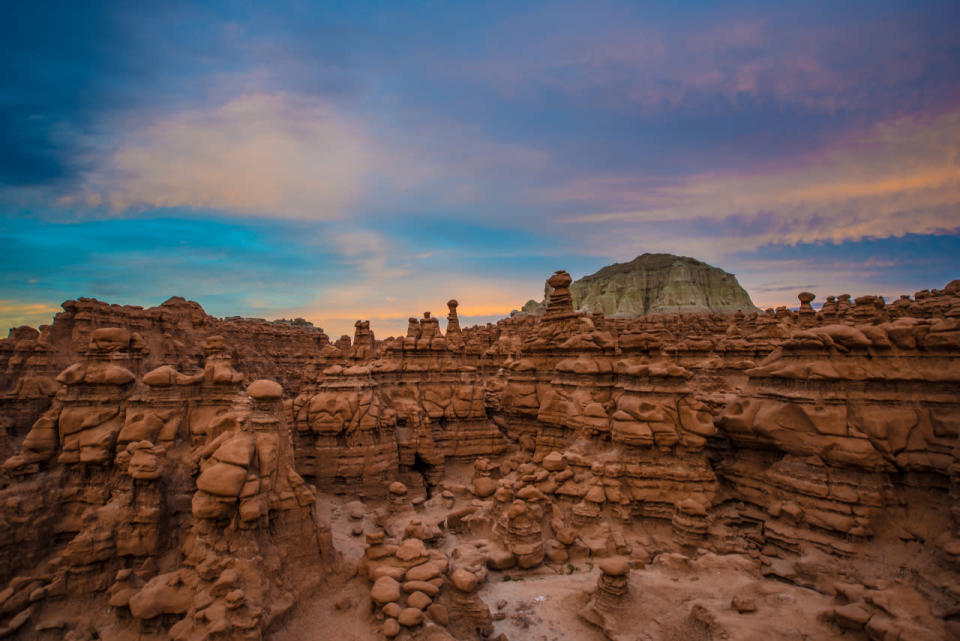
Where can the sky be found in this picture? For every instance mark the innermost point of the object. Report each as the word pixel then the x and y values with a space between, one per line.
pixel 370 160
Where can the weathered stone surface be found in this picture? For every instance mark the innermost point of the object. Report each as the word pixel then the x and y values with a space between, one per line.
pixel 265 390
pixel 813 449
pixel 127 463
pixel 410 617
pixel 385 590
pixel 464 580
pixel 657 284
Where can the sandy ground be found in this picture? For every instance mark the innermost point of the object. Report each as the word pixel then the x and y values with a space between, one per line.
pixel 543 607
pixel 319 619
pixel 670 600
pixel 337 612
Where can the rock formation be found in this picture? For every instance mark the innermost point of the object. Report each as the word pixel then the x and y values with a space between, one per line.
pixel 700 475
pixel 654 284
pixel 154 501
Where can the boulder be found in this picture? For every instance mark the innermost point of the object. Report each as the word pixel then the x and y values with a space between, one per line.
pixel 385 590
pixel 265 390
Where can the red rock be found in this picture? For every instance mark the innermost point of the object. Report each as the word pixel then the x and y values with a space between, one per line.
pixel 385 590
pixel 615 566
pixel 853 616
pixel 265 390
pixel 424 572
pixel 410 617
pixel 391 628
pixel 421 586
pixel 419 600
pixel 790 430
pixel 464 580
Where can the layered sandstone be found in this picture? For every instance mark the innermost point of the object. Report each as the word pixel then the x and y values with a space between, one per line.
pixel 781 473
pixel 156 503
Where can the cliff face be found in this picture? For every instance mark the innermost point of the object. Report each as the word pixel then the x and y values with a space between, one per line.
pixel 660 284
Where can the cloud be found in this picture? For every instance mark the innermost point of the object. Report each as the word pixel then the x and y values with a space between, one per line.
pixel 851 59
pixel 14 313
pixel 293 156
pixel 889 267
pixel 901 177
pixel 373 254
pixel 258 154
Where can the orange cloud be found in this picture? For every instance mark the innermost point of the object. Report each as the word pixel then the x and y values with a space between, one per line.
pixel 263 154
pixel 14 313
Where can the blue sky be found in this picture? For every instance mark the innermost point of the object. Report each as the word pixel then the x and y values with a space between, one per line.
pixel 371 160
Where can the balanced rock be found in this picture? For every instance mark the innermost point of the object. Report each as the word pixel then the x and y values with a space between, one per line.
pixel 265 390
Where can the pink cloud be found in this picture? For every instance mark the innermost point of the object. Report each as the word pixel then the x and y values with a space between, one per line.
pixel 823 68
pixel 901 177
pixel 257 154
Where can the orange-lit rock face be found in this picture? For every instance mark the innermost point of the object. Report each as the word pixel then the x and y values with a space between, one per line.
pixel 194 474
pixel 124 470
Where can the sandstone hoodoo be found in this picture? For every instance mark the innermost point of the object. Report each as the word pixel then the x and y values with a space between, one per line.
pixel 708 475
pixel 656 284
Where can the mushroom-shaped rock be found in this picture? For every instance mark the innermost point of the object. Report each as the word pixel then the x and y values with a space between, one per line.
pixel 265 390
pixel 464 580
pixel 615 566
pixel 560 278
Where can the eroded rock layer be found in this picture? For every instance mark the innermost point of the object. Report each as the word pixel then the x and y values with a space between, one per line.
pixel 173 475
pixel 143 504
